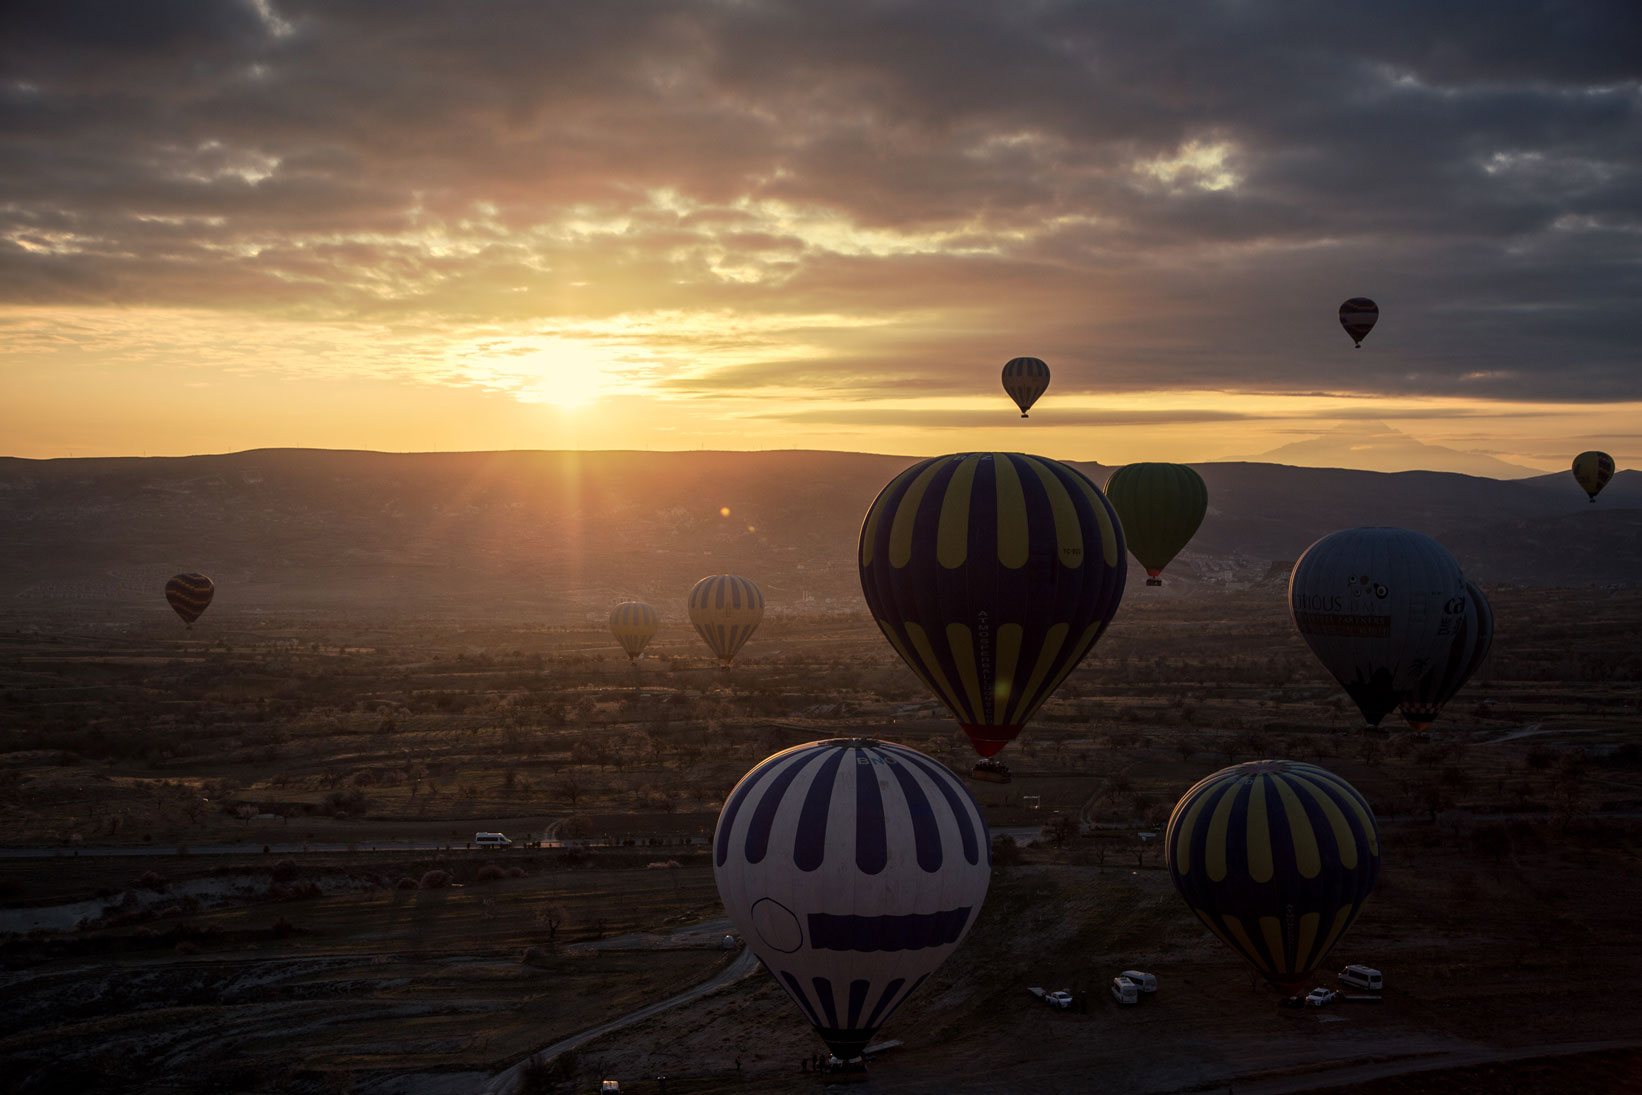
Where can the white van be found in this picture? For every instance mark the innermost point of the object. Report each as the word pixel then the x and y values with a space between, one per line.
pixel 1145 982
pixel 491 840
pixel 1123 991
pixel 1361 977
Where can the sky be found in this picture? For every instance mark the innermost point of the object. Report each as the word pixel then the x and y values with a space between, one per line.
pixel 665 224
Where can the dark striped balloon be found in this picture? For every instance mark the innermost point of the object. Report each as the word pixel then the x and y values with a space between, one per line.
pixel 852 868
pixel 1593 470
pixel 992 575
pixel 1465 655
pixel 189 595
pixel 634 624
pixel 1358 316
pixel 725 610
pixel 1277 858
pixel 1025 378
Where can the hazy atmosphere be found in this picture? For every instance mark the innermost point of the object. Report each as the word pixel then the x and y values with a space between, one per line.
pixel 739 225
pixel 691 547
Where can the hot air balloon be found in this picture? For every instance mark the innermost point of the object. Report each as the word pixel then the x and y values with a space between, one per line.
pixel 1379 607
pixel 1277 858
pixel 853 868
pixel 1161 506
pixel 1025 378
pixel 189 595
pixel 634 624
pixel 1464 657
pixel 725 610
pixel 1358 316
pixel 992 574
pixel 1593 470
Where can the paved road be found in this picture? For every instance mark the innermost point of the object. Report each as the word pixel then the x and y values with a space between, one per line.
pixel 504 1082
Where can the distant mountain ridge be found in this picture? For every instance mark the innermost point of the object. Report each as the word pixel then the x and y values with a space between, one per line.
pixel 560 535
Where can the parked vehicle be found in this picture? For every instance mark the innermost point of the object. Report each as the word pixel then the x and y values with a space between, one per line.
pixel 491 840
pixel 1061 999
pixel 1124 992
pixel 1320 997
pixel 1145 982
pixel 1362 977
pixel 610 1086
pixel 1036 991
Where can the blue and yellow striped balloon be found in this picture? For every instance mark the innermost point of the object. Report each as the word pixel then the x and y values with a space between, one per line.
pixel 1025 378
pixel 725 610
pixel 634 624
pixel 1277 858
pixel 992 574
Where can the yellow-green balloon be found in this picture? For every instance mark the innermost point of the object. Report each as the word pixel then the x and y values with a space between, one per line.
pixel 1593 470
pixel 1160 506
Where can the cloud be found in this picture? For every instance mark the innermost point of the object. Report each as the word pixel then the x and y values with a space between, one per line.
pixel 1149 198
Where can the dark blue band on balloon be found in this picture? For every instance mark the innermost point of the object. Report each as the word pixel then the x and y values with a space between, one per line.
pixel 797 993
pixel 907 932
pixel 926 833
pixel 882 1008
pixel 763 819
pixel 823 990
pixel 858 1000
pixel 871 839
pixel 959 803
pixel 810 842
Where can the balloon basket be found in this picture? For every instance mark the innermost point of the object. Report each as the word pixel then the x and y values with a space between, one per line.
pixel 990 771
pixel 853 1071
pixel 1154 581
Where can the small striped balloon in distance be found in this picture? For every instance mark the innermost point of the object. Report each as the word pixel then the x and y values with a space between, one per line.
pixel 189 595
pixel 1592 470
pixel 725 610
pixel 1161 506
pixel 1358 316
pixel 1025 378
pixel 1464 657
pixel 992 575
pixel 852 868
pixel 1276 857
pixel 634 624
pixel 1379 608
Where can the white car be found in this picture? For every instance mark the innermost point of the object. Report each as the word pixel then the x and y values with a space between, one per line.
pixel 1318 997
pixel 1061 999
pixel 1145 982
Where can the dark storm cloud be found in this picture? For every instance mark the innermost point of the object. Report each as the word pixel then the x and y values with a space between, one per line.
pixel 1147 195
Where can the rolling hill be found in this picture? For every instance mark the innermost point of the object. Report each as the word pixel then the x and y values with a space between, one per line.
pixel 560 535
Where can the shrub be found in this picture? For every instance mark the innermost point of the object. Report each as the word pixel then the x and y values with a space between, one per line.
pixel 490 873
pixel 434 880
pixel 515 872
pixel 284 870
pixel 406 883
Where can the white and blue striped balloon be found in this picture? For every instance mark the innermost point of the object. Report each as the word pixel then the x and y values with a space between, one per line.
pixel 852 867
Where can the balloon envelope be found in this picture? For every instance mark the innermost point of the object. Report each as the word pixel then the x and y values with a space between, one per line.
pixel 1025 378
pixel 1379 607
pixel 1464 657
pixel 1277 858
pixel 1161 506
pixel 634 624
pixel 1593 470
pixel 189 595
pixel 1358 316
pixel 725 610
pixel 853 868
pixel 992 575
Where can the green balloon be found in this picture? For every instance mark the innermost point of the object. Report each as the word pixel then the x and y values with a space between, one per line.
pixel 1160 506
